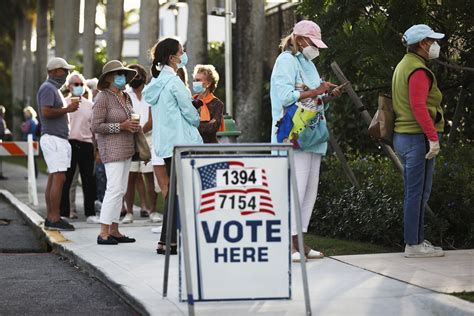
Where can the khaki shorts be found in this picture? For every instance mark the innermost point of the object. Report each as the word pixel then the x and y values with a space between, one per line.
pixel 56 153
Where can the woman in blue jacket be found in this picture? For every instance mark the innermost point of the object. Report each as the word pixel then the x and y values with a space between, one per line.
pixel 175 119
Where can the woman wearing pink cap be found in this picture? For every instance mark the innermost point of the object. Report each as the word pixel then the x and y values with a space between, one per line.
pixel 295 79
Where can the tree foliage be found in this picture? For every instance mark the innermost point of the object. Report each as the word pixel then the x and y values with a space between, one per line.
pixel 364 38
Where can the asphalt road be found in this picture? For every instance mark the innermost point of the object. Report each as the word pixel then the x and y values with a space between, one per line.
pixel 36 282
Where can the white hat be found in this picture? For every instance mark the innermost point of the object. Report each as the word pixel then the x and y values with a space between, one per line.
pixel 58 63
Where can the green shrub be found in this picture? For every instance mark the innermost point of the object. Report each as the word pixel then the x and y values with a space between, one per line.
pixel 374 213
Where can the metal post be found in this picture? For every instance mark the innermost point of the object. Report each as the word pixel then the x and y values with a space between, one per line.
pixel 228 58
pixel 297 211
pixel 170 213
pixel 184 234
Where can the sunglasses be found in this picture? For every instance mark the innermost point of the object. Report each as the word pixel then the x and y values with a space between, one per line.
pixel 121 72
pixel 77 84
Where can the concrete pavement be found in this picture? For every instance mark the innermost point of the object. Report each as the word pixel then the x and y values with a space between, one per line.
pixel 384 284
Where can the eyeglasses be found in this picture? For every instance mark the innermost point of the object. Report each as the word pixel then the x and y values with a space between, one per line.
pixel 77 84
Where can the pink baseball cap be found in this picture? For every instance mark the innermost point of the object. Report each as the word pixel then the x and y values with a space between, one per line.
pixel 311 30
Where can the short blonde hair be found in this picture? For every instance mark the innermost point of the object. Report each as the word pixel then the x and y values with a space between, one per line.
pixel 211 75
pixel 30 110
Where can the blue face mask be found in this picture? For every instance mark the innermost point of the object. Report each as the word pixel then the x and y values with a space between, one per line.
pixel 183 60
pixel 119 81
pixel 77 91
pixel 198 87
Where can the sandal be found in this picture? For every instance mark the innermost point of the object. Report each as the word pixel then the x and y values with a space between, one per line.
pixel 161 249
pixel 296 257
pixel 314 254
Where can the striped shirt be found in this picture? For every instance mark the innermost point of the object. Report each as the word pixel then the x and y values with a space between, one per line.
pixel 108 113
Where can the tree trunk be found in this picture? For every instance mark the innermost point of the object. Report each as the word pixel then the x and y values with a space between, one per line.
pixel 71 28
pixel 29 93
pixel 196 45
pixel 41 42
pixel 59 28
pixel 114 17
pixel 248 49
pixel 18 62
pixel 88 37
pixel 149 29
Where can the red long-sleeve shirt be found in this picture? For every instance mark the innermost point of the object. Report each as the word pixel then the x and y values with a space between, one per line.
pixel 418 88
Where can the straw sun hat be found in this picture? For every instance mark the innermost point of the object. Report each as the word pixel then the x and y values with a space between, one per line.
pixel 113 66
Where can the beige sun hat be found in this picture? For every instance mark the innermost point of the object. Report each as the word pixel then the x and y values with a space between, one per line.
pixel 112 66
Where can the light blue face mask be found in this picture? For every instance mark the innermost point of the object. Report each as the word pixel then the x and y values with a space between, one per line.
pixel 77 91
pixel 119 81
pixel 198 87
pixel 183 60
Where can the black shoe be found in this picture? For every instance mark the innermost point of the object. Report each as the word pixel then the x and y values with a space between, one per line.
pixel 123 213
pixel 109 241
pixel 2 177
pixel 60 225
pixel 123 239
pixel 144 213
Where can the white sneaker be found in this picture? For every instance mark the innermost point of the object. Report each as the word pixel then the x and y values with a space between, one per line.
pixel 156 217
pixel 429 243
pixel 94 219
pixel 423 250
pixel 127 219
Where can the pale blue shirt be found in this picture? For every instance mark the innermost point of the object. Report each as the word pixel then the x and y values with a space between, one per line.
pixel 288 71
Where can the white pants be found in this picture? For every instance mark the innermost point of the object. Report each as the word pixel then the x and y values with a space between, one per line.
pixel 117 179
pixel 307 179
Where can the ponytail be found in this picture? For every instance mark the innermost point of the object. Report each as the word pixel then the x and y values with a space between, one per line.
pixel 161 53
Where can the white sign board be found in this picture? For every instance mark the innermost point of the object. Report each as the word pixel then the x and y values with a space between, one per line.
pixel 238 227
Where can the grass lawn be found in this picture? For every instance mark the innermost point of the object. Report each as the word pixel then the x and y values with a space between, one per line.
pixel 22 161
pixel 337 247
pixel 468 296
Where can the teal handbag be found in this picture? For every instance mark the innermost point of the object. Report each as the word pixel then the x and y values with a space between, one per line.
pixel 314 134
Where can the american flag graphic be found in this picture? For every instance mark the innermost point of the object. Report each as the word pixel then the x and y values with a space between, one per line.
pixel 209 189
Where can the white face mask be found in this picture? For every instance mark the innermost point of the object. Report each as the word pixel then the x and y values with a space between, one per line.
pixel 433 52
pixel 310 52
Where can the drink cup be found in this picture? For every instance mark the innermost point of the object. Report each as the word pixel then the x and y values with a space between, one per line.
pixel 135 117
pixel 75 99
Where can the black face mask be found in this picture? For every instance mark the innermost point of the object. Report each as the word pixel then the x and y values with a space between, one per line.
pixel 136 83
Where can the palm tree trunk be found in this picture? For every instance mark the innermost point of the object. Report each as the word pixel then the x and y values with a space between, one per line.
pixel 114 21
pixel 149 29
pixel 71 28
pixel 59 28
pixel 248 51
pixel 29 93
pixel 88 37
pixel 41 41
pixel 196 45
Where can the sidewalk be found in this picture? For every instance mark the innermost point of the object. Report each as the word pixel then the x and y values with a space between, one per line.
pixel 382 284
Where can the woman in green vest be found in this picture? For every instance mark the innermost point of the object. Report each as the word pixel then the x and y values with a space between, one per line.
pixel 419 123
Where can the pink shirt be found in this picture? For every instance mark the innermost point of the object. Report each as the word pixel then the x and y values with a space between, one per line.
pixel 418 87
pixel 80 121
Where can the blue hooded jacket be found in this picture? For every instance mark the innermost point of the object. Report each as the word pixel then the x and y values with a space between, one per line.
pixel 175 120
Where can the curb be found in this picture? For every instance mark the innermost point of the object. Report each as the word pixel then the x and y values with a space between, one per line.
pixel 35 221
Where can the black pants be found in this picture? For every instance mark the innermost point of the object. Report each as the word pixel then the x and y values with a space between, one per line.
pixel 165 214
pixel 83 157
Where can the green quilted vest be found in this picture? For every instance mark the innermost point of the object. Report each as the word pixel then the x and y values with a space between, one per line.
pixel 404 120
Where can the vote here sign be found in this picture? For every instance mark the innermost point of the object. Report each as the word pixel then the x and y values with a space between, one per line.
pixel 237 214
